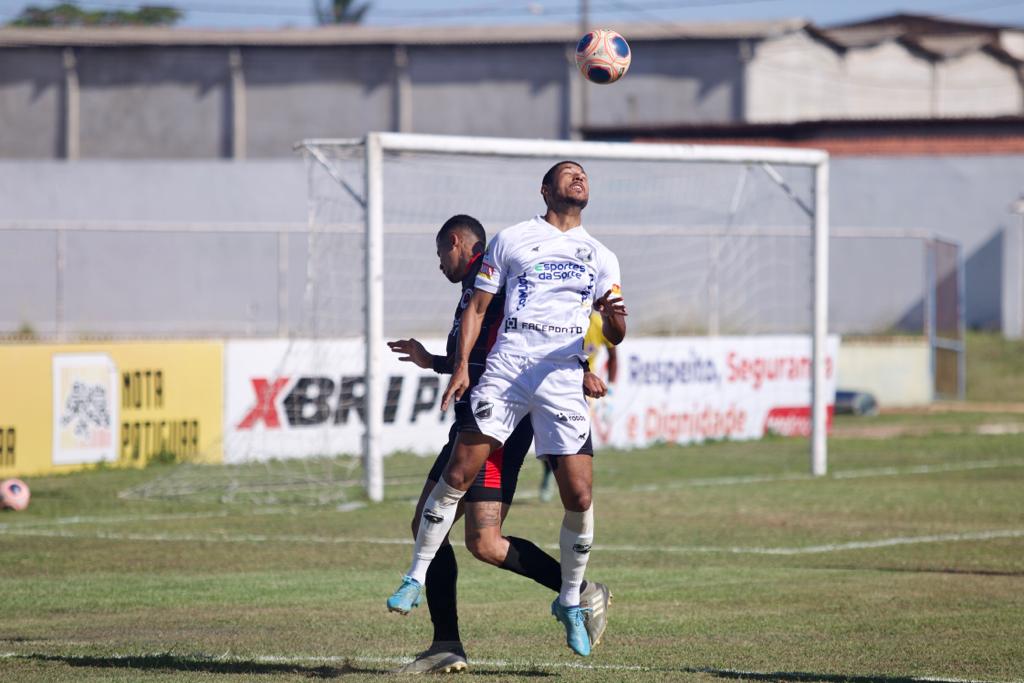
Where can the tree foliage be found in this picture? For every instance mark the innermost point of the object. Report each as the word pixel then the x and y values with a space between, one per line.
pixel 67 14
pixel 340 11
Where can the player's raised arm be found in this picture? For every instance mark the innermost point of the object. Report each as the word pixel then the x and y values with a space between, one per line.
pixel 611 305
pixel 613 315
pixel 469 330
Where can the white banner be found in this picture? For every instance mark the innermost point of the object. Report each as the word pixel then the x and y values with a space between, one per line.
pixel 301 398
pixel 692 389
pixel 85 408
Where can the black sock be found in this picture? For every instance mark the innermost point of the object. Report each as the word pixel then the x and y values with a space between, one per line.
pixel 441 577
pixel 527 559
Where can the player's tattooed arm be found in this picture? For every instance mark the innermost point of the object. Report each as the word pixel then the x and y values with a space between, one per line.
pixel 469 330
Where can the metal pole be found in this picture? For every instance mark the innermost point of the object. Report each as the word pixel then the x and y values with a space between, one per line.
pixel 961 315
pixel 72 107
pixel 373 451
pixel 61 255
pixel 239 134
pixel 930 280
pixel 402 91
pixel 283 325
pixel 582 89
pixel 819 345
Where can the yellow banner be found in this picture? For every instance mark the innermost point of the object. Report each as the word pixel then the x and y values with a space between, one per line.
pixel 64 407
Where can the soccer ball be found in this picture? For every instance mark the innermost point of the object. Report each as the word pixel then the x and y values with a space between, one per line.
pixel 14 495
pixel 603 56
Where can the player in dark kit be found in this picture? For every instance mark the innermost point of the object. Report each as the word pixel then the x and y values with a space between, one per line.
pixel 460 246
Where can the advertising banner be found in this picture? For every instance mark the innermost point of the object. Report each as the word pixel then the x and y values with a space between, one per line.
pixel 85 403
pixel 304 398
pixel 67 406
pixel 694 389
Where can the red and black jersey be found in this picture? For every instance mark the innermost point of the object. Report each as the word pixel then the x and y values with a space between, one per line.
pixel 489 328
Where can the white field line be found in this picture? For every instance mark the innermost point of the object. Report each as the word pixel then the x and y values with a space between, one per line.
pixel 489 663
pixel 838 474
pixel 670 485
pixel 829 548
pixel 172 516
pixel 342 540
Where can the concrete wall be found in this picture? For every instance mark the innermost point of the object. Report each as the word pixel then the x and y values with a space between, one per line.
pixel 876 285
pixel 977 84
pixel 798 78
pixel 507 90
pixel 897 372
pixel 151 282
pixel 140 102
pixel 255 101
pixel 144 103
pixel 31 104
pixel 792 78
pixel 298 93
pixel 964 198
pixel 698 81
pixel 1013 280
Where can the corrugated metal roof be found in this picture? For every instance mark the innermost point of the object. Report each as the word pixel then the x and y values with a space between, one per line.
pixel 376 35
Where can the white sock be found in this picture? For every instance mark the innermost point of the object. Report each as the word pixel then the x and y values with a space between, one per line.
pixel 437 520
pixel 574 541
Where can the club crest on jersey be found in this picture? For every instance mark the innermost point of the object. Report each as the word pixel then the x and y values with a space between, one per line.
pixel 585 254
pixel 466 296
pixel 483 410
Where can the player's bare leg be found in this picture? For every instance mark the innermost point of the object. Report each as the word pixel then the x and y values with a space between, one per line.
pixel 439 511
pixel 518 555
pixel 483 531
pixel 575 485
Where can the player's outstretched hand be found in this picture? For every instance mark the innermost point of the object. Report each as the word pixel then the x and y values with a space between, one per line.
pixel 593 386
pixel 608 305
pixel 414 352
pixel 457 386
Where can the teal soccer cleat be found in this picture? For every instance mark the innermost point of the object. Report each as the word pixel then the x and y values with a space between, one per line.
pixel 406 597
pixel 573 618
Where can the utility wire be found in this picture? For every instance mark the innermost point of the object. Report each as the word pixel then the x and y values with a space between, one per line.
pixel 498 10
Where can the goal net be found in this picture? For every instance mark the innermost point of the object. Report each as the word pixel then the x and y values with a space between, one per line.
pixel 714 243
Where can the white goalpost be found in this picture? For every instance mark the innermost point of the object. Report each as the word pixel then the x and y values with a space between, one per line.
pixel 713 240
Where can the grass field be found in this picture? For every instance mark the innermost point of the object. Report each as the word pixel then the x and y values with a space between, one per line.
pixel 995 367
pixel 727 561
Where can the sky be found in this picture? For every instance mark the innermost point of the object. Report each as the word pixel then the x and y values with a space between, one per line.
pixel 225 14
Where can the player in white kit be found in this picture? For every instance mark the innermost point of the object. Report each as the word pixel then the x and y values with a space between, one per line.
pixel 552 270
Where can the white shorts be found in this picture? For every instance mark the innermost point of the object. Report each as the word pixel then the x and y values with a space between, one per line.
pixel 551 392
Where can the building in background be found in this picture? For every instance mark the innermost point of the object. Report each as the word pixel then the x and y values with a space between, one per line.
pixel 925 119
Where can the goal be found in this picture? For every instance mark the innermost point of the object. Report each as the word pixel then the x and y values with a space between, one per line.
pixel 713 242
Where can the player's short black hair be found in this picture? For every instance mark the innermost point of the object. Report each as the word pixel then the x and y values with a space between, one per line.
pixel 465 222
pixel 549 177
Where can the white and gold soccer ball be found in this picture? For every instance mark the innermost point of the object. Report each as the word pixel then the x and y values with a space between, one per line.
pixel 14 495
pixel 603 56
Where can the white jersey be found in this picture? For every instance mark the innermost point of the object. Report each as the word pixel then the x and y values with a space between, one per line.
pixel 551 279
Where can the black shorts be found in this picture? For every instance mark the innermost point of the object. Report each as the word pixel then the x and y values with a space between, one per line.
pixel 497 479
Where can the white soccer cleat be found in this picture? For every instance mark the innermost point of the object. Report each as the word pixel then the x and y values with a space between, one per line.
pixel 595 599
pixel 439 658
